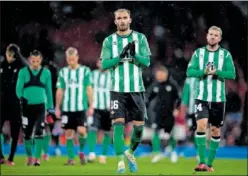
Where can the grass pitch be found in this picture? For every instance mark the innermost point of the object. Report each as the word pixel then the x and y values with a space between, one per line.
pixel 184 166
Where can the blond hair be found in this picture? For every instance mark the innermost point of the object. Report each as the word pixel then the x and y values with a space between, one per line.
pixel 216 28
pixel 122 10
pixel 71 51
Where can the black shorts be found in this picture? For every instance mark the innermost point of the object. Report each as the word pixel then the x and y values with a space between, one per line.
pixel 102 120
pixel 164 122
pixel 33 119
pixel 130 106
pixel 191 121
pixel 214 111
pixel 72 120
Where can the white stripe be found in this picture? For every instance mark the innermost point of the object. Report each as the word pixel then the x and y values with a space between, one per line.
pixel 115 54
pixel 101 93
pixel 135 68
pixel 126 69
pixel 200 136
pixel 95 74
pixel 108 93
pixel 140 77
pixel 73 91
pixel 201 66
pixel 215 140
pixel 81 89
pixel 66 93
pixel 210 78
pixel 192 95
pixel 220 66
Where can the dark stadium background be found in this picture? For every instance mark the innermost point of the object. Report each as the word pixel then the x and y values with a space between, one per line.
pixel 174 30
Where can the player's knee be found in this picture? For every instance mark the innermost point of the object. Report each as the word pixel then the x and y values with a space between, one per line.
pixel 119 120
pixel 81 131
pixel 202 125
pixel 215 131
pixel 69 133
pixel 138 123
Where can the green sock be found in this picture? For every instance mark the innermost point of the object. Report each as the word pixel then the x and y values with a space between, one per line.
pixel 70 148
pixel 213 146
pixel 46 143
pixel 172 143
pixel 106 142
pixel 195 144
pixel 156 143
pixel 1 143
pixel 38 147
pixel 201 146
pixel 28 147
pixel 136 137
pixel 119 140
pixel 82 140
pixel 92 140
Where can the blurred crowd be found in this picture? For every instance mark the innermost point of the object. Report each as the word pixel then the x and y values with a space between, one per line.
pixel 174 31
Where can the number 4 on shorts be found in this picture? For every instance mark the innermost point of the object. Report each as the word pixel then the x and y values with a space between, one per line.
pixel 198 107
pixel 114 104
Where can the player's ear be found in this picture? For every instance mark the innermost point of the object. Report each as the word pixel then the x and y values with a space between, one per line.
pixel 130 21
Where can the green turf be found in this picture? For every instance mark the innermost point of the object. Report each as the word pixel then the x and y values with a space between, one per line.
pixel 184 166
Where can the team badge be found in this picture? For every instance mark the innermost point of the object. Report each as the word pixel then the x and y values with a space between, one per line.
pixel 168 88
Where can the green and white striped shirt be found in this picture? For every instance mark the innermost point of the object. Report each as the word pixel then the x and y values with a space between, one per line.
pixel 126 76
pixel 101 87
pixel 74 82
pixel 188 96
pixel 211 88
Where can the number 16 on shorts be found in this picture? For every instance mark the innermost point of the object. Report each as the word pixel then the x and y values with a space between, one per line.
pixel 114 104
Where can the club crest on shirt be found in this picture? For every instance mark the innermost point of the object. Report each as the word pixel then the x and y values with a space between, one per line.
pixel 221 56
pixel 168 88
pixel 114 43
pixel 155 89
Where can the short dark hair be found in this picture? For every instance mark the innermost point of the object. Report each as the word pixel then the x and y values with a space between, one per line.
pixel 35 53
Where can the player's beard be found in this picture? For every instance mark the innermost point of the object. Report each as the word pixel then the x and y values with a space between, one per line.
pixel 123 28
pixel 212 45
